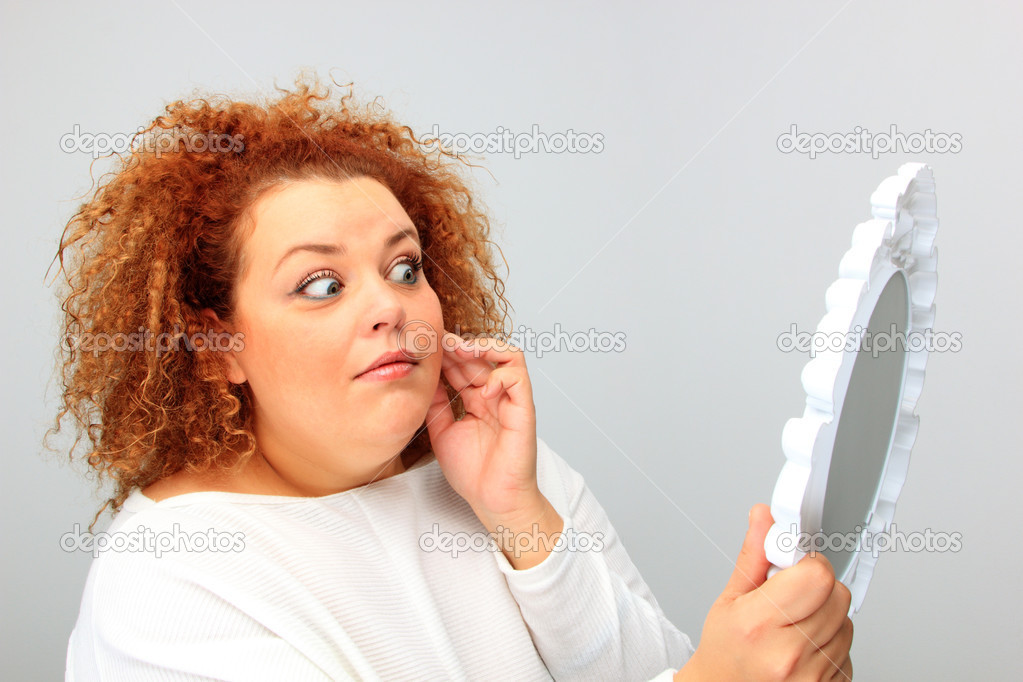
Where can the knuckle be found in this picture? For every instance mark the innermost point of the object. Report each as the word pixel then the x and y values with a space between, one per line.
pixel 844 595
pixel 782 667
pixel 819 574
pixel 749 630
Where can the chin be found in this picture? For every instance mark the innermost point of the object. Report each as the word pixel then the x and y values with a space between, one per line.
pixel 401 426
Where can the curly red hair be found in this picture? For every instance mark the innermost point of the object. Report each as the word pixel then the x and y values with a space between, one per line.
pixel 160 238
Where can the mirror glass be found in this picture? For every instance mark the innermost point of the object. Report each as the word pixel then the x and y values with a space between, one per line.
pixel 864 435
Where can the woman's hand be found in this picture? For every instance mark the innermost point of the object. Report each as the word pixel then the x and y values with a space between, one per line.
pixel 791 627
pixel 489 456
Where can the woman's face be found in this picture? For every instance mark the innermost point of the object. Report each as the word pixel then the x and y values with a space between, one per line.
pixel 331 275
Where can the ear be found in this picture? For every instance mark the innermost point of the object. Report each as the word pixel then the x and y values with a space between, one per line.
pixel 235 373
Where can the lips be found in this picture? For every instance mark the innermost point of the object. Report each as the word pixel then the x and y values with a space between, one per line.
pixel 388 358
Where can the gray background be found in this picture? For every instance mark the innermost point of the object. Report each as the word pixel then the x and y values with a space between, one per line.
pixel 690 232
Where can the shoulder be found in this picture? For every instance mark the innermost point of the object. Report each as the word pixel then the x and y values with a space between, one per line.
pixel 151 544
pixel 175 594
pixel 175 484
pixel 182 482
pixel 136 572
pixel 185 562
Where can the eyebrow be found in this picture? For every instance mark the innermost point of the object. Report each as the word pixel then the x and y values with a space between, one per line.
pixel 340 250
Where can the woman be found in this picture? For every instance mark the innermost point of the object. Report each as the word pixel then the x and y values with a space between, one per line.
pixel 305 461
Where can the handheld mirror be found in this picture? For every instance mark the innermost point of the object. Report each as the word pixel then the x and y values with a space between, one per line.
pixel 847 456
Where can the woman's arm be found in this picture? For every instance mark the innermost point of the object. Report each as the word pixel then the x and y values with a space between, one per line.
pixel 589 611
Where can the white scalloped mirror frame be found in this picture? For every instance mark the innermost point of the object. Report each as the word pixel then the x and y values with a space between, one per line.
pixel 847 456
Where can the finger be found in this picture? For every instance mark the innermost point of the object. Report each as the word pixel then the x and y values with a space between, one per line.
pixel 846 672
pixel 511 381
pixel 469 378
pixel 493 350
pixel 751 565
pixel 465 371
pixel 467 382
pixel 833 658
pixel 829 619
pixel 439 415
pixel 796 593
pixel 504 384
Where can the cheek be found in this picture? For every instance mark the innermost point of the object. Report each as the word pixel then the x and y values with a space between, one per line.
pixel 435 317
pixel 286 361
pixel 428 309
pixel 422 330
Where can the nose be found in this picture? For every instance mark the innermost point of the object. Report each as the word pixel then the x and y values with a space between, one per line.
pixel 382 306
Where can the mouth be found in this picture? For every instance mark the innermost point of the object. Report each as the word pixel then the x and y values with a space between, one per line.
pixel 391 365
pixel 389 371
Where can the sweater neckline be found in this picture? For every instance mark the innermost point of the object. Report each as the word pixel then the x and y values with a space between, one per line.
pixel 137 500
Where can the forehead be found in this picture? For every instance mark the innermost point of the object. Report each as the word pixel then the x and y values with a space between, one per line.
pixel 324 211
pixel 314 205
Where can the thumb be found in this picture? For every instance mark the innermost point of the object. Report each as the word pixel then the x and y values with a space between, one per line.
pixel 751 566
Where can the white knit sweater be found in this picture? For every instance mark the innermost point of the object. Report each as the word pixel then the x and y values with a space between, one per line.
pixel 395 580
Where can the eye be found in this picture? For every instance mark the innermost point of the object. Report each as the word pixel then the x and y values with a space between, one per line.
pixel 326 283
pixel 322 284
pixel 407 270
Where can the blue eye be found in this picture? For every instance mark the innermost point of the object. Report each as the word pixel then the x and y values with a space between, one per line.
pixel 408 270
pixel 322 284
pixel 327 284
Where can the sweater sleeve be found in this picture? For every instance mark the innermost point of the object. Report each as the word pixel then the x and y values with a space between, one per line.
pixel 590 614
